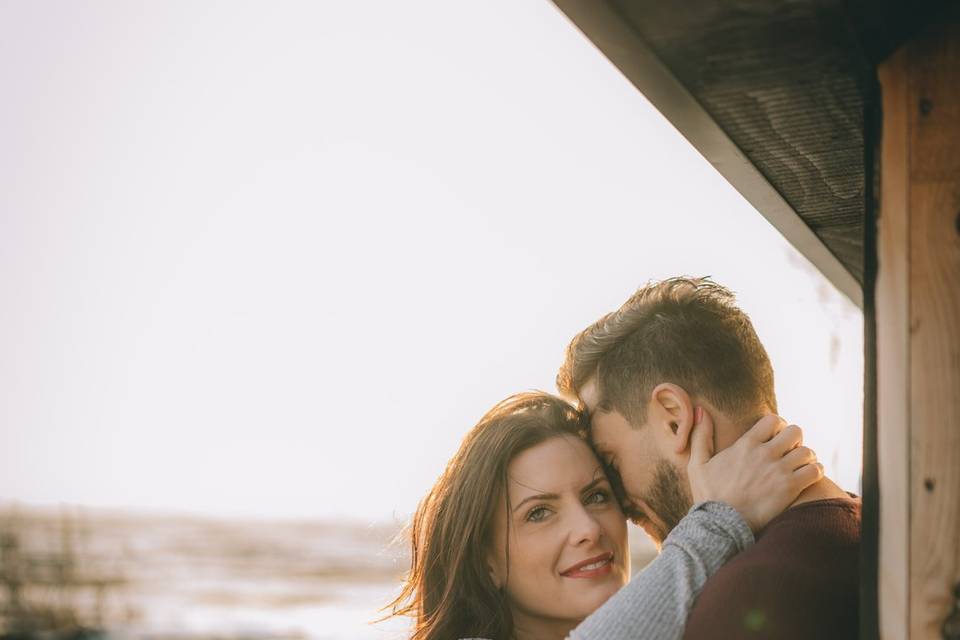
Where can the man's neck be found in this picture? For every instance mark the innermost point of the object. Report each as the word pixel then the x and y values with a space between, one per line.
pixel 727 432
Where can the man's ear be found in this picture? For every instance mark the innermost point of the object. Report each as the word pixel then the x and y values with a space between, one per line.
pixel 671 409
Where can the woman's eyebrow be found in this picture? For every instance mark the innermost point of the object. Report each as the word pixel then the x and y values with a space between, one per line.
pixel 539 496
pixel 554 496
pixel 594 483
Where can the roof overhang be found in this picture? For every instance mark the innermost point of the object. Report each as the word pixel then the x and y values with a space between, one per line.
pixel 773 95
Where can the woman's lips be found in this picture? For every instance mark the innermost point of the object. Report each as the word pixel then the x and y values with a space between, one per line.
pixel 591 567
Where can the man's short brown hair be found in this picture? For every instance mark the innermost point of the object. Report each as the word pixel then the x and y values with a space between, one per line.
pixel 687 331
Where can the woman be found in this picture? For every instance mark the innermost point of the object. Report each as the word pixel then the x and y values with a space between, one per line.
pixel 523 536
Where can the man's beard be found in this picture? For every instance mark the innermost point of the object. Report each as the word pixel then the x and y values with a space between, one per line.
pixel 668 498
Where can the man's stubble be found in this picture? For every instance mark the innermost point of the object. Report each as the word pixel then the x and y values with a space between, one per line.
pixel 668 497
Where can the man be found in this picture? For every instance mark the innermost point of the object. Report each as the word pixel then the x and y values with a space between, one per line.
pixel 642 373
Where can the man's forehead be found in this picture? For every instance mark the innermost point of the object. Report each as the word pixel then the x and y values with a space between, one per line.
pixel 600 447
pixel 607 429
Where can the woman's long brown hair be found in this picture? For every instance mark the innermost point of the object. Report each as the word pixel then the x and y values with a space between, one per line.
pixel 449 592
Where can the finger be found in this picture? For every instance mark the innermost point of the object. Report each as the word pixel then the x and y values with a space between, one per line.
pixel 807 475
pixel 767 427
pixel 799 457
pixel 701 440
pixel 790 438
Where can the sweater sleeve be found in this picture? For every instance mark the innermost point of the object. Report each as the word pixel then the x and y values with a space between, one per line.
pixel 656 602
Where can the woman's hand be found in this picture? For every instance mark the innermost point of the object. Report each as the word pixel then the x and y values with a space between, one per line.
pixel 759 475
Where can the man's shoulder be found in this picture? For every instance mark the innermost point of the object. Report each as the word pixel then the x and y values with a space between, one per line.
pixel 808 536
pixel 801 577
pixel 752 572
pixel 808 542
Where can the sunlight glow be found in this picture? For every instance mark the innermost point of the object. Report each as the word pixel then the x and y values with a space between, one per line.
pixel 276 259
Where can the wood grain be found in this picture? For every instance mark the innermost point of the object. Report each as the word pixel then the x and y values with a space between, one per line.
pixel 832 237
pixel 934 201
pixel 786 82
pixel 918 335
pixel 893 353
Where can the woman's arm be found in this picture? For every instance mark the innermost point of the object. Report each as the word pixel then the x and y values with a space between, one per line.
pixel 656 602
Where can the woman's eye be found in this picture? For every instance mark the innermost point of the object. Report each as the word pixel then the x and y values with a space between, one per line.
pixel 537 514
pixel 598 497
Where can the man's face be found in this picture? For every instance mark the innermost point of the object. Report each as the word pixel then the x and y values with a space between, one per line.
pixel 655 484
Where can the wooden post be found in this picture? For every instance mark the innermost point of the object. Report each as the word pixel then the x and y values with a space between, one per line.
pixel 918 335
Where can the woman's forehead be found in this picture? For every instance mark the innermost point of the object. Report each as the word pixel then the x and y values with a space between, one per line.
pixel 557 465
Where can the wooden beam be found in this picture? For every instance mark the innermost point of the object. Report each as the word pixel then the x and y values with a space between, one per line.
pixel 893 354
pixel 934 86
pixel 918 335
pixel 619 42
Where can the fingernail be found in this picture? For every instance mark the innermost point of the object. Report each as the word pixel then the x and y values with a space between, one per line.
pixel 698 414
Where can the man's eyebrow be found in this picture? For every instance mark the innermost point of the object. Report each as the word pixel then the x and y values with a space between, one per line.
pixel 601 452
pixel 539 496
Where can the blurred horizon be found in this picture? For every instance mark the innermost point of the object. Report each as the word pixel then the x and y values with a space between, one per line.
pixel 143 575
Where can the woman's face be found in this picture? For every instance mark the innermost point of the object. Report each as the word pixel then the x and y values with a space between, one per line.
pixel 567 536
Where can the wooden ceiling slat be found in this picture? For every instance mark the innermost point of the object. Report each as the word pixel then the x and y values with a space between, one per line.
pixel 774 94
pixel 786 82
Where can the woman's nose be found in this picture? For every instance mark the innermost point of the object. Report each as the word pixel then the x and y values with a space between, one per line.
pixel 584 528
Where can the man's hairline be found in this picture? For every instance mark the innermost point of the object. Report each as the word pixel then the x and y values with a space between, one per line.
pixel 602 405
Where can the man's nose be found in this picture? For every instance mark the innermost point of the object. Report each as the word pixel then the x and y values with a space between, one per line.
pixel 584 527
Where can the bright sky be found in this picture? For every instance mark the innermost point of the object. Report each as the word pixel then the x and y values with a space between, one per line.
pixel 275 259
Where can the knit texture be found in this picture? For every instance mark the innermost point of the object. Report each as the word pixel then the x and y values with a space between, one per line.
pixel 656 602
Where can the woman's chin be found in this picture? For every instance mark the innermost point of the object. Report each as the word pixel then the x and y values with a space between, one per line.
pixel 589 598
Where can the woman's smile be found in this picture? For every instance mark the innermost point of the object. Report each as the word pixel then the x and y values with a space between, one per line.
pixel 595 567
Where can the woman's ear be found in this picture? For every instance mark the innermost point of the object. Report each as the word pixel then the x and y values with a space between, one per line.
pixel 670 406
pixel 494 577
pixel 495 569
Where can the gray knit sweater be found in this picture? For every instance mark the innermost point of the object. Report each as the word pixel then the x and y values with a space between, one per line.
pixel 655 603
